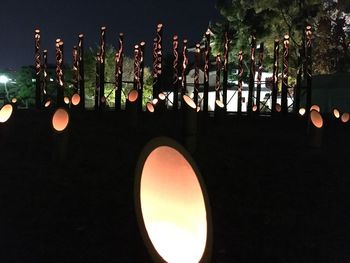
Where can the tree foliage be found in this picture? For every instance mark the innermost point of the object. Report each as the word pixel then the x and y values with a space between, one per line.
pixel 269 19
pixel 128 75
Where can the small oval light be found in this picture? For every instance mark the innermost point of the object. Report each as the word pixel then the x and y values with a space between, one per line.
pixel 14 100
pixel 66 100
pixel 189 102
pixel 161 96
pixel 219 103
pixel 75 99
pixel 133 95
pixel 47 103
pixel 60 120
pixel 302 111
pixel 255 108
pixel 149 107
pixel 336 113
pixel 345 117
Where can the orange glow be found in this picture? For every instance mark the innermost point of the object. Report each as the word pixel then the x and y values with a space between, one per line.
pixel 60 120
pixel 14 100
pixel 316 119
pixel 75 99
pixel 278 107
pixel 133 95
pixel 336 113
pixel 149 107
pixel 189 102
pixel 5 113
pixel 66 100
pixel 173 206
pixel 161 96
pixel 302 111
pixel 47 104
pixel 345 117
pixel 315 107
pixel 219 103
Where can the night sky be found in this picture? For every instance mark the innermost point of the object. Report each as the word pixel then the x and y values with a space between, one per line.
pixel 65 19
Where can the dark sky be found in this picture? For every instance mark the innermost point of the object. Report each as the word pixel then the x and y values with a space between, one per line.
pixel 67 18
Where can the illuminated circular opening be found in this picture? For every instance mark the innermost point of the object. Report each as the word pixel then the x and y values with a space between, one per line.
pixel 278 107
pixel 336 113
pixel 133 95
pixel 255 108
pixel 345 117
pixel 315 107
pixel 316 119
pixel 161 96
pixel 66 100
pixel 302 111
pixel 5 113
pixel 47 104
pixel 14 100
pixel 149 107
pixel 60 120
pixel 172 204
pixel 76 99
pixel 189 102
pixel 219 103
pixel 154 101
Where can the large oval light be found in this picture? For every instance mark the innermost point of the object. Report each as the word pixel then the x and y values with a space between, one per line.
pixel 60 120
pixel 345 117
pixel 172 204
pixel 133 95
pixel 5 113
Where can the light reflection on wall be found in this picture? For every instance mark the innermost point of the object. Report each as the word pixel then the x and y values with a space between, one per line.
pixel 173 206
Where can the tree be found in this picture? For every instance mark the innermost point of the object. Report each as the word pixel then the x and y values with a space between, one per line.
pixel 269 19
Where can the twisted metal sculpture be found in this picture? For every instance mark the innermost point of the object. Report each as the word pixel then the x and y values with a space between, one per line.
pixel 38 70
pixel 196 73
pixel 275 75
pixel 206 71
pixel 118 75
pixel 225 72
pixel 251 74
pixel 176 73
pixel 260 70
pixel 308 33
pixel 285 69
pixel 59 72
pixel 240 82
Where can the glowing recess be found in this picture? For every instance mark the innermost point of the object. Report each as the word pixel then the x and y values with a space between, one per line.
pixel 173 206
pixel 60 120
pixel 76 99
pixel 316 119
pixel 302 111
pixel 5 113
pixel 133 95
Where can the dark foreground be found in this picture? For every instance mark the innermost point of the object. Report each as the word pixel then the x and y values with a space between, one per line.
pixel 69 197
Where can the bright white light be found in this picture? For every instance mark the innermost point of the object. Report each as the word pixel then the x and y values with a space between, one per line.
pixel 4 79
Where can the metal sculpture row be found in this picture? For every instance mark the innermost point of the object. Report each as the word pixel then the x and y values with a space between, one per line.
pixel 180 71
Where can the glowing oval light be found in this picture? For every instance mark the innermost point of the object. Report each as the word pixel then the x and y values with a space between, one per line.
pixel 315 107
pixel 189 102
pixel 255 108
pixel 336 113
pixel 278 107
pixel 133 95
pixel 75 99
pixel 5 113
pixel 316 119
pixel 345 117
pixel 66 100
pixel 161 96
pixel 174 206
pixel 302 111
pixel 14 100
pixel 154 101
pixel 149 107
pixel 47 104
pixel 219 103
pixel 60 120
pixel 198 109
